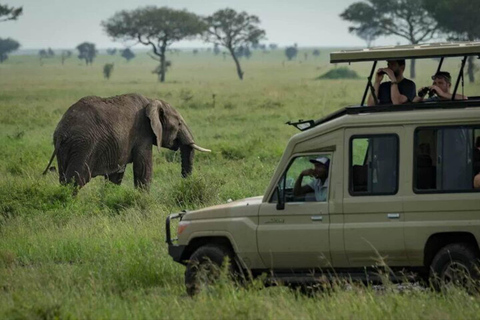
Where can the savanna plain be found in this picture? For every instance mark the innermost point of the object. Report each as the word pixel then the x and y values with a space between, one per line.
pixel 102 254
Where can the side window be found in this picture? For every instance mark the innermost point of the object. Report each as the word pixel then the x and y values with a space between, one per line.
pixel 373 165
pixel 306 179
pixel 447 159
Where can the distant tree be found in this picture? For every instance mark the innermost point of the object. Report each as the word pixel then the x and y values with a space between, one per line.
pixel 407 19
pixel 195 52
pixel 65 55
pixel 43 54
pixel 458 19
pixel 112 51
pixel 6 46
pixel 9 13
pixel 107 70
pixel 291 52
pixel 155 27
pixel 316 52
pixel 231 29
pixel 273 46
pixel 363 15
pixel 216 49
pixel 127 54
pixel 87 52
pixel 50 53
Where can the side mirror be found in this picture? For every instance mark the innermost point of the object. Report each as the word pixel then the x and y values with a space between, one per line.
pixel 280 199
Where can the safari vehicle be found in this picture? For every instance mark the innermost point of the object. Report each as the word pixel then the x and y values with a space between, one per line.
pixel 400 193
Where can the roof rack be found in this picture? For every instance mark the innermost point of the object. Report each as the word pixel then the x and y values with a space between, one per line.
pixel 419 51
pixel 474 102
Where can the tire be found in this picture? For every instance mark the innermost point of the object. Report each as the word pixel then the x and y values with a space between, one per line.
pixel 455 264
pixel 205 266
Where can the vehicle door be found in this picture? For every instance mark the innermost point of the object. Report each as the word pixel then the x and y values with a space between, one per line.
pixel 373 206
pixel 296 236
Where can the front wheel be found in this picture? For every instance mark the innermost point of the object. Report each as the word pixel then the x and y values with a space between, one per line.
pixel 205 266
pixel 455 264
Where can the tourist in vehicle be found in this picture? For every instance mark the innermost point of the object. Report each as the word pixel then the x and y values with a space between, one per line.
pixel 439 90
pixel 319 185
pixel 398 90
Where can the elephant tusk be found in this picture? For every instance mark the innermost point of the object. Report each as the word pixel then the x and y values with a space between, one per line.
pixel 194 146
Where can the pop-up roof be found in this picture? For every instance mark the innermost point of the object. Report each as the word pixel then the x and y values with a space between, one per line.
pixel 420 51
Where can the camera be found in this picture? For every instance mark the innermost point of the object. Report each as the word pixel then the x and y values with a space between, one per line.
pixel 426 90
pixel 381 73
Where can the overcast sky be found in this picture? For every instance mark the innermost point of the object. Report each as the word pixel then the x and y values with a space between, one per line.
pixel 66 23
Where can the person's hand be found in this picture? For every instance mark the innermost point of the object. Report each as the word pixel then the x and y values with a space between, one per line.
pixel 438 91
pixel 308 172
pixel 390 74
pixel 379 75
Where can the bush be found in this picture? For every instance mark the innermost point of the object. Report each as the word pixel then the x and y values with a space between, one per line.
pixel 195 191
pixel 340 73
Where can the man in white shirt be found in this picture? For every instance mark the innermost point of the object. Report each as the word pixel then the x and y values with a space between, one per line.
pixel 319 185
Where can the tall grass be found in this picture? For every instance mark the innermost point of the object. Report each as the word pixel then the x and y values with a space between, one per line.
pixel 102 254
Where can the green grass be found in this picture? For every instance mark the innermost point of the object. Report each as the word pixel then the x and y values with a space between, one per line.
pixel 102 254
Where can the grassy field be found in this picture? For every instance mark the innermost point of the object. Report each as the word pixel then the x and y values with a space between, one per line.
pixel 102 254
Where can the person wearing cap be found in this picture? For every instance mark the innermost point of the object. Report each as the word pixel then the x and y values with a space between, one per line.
pixel 440 89
pixel 398 90
pixel 320 183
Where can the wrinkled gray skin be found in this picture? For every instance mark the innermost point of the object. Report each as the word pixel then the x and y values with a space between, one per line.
pixel 99 136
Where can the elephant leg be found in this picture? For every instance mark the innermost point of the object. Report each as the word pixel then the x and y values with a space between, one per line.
pixel 142 166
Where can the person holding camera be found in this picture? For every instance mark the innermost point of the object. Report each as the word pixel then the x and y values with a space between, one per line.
pixel 398 90
pixel 439 90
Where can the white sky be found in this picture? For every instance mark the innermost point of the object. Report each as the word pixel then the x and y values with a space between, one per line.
pixel 66 23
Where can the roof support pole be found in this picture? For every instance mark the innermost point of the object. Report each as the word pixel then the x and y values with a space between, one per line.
pixel 460 76
pixel 440 65
pixel 370 86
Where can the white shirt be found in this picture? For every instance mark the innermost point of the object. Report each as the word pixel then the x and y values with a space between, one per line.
pixel 320 189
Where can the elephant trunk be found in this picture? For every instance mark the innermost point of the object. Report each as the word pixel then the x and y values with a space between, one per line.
pixel 187 154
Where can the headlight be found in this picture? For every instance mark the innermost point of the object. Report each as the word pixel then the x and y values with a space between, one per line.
pixel 182 225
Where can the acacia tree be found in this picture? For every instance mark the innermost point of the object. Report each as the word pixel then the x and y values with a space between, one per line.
pixel 233 30
pixel 87 52
pixel 6 46
pixel 407 19
pixel 155 27
pixel 458 19
pixel 9 13
pixel 363 15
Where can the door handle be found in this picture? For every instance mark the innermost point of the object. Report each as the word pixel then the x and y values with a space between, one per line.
pixel 393 215
pixel 317 218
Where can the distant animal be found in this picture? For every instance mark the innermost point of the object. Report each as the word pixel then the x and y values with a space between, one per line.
pixel 100 136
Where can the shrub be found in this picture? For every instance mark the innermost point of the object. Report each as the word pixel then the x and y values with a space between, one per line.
pixel 340 73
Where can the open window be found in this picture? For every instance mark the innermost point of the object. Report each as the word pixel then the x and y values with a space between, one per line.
pixel 374 165
pixel 319 187
pixel 447 159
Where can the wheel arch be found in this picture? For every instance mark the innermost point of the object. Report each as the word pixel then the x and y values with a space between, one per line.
pixel 439 240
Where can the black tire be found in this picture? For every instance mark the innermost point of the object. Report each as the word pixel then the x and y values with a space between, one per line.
pixel 455 264
pixel 205 265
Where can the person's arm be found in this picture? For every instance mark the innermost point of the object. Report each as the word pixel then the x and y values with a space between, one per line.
pixel 397 97
pixel 447 95
pixel 418 98
pixel 376 85
pixel 298 189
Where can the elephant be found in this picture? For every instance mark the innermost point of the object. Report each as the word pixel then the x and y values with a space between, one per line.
pixel 100 136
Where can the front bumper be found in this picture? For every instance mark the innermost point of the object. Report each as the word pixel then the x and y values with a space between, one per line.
pixel 174 250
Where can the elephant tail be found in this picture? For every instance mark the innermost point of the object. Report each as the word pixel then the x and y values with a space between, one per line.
pixel 51 159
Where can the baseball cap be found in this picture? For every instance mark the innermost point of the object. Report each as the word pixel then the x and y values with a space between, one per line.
pixel 323 160
pixel 443 74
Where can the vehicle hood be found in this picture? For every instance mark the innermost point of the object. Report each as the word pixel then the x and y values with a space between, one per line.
pixel 238 208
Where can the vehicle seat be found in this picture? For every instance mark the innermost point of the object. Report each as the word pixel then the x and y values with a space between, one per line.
pixel 426 172
pixel 360 178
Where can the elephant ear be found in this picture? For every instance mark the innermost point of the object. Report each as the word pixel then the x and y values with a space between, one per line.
pixel 152 111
